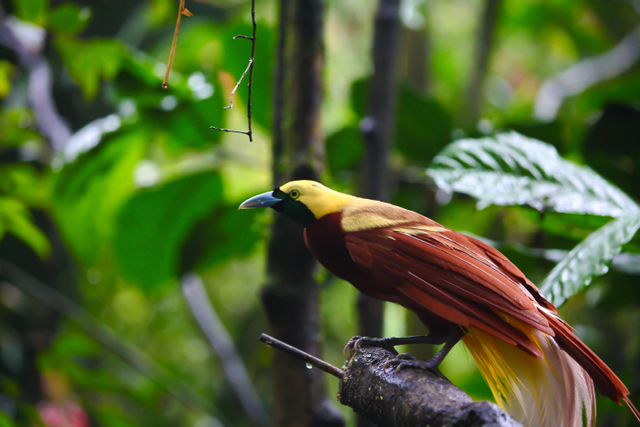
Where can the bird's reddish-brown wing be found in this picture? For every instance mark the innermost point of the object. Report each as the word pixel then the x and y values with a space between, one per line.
pixel 452 276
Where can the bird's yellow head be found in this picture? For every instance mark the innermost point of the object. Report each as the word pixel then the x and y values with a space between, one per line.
pixel 303 201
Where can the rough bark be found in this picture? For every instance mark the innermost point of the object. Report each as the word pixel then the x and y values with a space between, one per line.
pixel 376 130
pixel 291 296
pixel 411 397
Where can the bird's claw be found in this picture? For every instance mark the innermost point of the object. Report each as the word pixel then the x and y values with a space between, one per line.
pixel 356 342
pixel 406 361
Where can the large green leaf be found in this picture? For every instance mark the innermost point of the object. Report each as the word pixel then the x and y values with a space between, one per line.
pixel 69 19
pixel 90 61
pixel 89 192
pixel 588 259
pixel 510 169
pixel 16 218
pixel 155 223
pixel 34 11
pixel 224 234
pixel 423 126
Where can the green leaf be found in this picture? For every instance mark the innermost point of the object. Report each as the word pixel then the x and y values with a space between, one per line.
pixel 34 11
pixel 89 192
pixel 16 219
pixel 155 223
pixel 589 259
pixel 69 19
pixel 90 61
pixel 510 169
pixel 14 127
pixel 423 126
pixel 6 420
pixel 6 69
pixel 224 234
pixel 344 150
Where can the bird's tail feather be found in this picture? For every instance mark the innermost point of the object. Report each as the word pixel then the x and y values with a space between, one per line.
pixel 538 392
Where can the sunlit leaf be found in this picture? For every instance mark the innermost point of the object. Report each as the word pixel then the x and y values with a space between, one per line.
pixel 15 127
pixel 69 19
pixel 510 169
pixel 88 192
pixel 6 69
pixel 15 218
pixel 90 61
pixel 155 223
pixel 34 11
pixel 6 420
pixel 589 259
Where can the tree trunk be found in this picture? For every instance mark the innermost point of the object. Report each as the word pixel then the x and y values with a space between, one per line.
pixel 376 130
pixel 291 296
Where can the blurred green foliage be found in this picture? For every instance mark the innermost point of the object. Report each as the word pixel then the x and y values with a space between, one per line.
pixel 144 191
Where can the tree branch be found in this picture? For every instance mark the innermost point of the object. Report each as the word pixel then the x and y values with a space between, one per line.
pixel 586 73
pixel 40 90
pixel 411 397
pixel 222 344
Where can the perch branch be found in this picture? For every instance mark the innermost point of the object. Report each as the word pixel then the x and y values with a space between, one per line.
pixel 411 397
pixel 312 360
pixel 181 11
pixel 249 69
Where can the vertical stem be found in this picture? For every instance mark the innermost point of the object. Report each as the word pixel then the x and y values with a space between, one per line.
pixel 253 60
pixel 222 344
pixel 484 47
pixel 376 130
pixel 377 126
pixel 291 296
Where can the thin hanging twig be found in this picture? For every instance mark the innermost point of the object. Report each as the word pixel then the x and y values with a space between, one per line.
pixel 299 354
pixel 249 69
pixel 181 11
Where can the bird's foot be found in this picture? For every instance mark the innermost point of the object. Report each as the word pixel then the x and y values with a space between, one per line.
pixel 356 342
pixel 406 361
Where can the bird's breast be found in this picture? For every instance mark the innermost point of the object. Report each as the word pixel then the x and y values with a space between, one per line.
pixel 325 239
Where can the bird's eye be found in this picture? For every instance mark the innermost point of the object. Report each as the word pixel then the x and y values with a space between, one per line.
pixel 294 194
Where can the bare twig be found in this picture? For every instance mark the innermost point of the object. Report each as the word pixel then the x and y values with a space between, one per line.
pixel 312 360
pixel 48 296
pixel 585 74
pixel 233 92
pixel 181 11
pixel 222 344
pixel 249 69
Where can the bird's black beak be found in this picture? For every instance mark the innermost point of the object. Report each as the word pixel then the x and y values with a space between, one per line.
pixel 263 200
